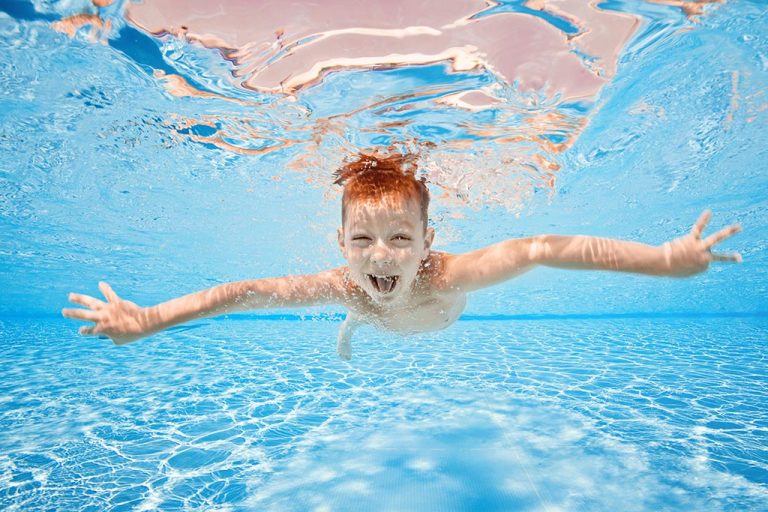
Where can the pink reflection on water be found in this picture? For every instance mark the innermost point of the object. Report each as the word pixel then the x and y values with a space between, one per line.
pixel 286 46
pixel 99 29
pixel 692 8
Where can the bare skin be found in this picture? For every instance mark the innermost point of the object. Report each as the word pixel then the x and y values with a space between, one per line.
pixel 394 281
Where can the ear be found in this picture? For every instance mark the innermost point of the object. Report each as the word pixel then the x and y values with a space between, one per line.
pixel 429 237
pixel 340 238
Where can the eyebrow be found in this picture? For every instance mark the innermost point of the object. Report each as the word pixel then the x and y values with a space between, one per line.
pixel 406 224
pixel 401 220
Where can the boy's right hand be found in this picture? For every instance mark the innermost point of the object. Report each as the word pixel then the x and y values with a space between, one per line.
pixel 121 320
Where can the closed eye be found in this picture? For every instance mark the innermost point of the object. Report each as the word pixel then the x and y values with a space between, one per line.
pixel 361 240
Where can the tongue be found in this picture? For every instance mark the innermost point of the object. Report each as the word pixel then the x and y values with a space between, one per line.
pixel 384 283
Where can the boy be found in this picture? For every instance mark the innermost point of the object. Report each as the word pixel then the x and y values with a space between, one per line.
pixel 392 279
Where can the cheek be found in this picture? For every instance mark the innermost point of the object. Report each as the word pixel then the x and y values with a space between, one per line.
pixel 355 256
pixel 409 257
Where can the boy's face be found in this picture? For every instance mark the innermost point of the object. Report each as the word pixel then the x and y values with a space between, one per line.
pixel 384 244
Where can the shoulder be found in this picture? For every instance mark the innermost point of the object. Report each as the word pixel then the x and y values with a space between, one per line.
pixel 336 278
pixel 435 270
pixel 343 287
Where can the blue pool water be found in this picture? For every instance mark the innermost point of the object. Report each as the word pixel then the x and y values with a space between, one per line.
pixel 560 390
pixel 628 414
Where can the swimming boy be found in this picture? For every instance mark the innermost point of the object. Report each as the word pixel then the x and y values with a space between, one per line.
pixel 393 279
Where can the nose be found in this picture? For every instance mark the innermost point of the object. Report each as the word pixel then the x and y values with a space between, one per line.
pixel 381 254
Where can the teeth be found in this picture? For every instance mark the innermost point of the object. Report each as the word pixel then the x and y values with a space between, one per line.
pixel 383 284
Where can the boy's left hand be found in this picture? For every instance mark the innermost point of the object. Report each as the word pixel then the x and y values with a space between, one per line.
pixel 690 254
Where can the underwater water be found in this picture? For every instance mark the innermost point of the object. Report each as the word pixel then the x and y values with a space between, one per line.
pixel 167 148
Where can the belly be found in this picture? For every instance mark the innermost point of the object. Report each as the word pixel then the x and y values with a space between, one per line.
pixel 432 315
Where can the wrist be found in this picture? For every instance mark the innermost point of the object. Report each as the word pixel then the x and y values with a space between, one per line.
pixel 149 320
pixel 672 265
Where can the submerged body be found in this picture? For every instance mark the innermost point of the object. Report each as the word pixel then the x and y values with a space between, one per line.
pixel 428 308
pixel 393 280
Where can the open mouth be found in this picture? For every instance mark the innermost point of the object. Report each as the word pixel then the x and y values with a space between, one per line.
pixel 383 284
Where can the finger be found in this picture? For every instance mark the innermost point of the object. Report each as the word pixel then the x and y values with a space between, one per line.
pixel 81 314
pixel 722 235
pixel 701 223
pixel 87 331
pixel 108 292
pixel 86 300
pixel 734 257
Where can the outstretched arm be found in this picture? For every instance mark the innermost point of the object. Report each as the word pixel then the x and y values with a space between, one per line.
pixel 123 321
pixel 681 257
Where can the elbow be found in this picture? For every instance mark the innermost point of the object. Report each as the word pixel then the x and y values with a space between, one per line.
pixel 538 250
pixel 246 295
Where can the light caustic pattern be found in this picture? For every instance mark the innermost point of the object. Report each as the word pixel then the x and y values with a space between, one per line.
pixel 489 94
pixel 536 417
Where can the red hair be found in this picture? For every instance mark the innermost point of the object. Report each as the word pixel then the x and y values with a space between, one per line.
pixel 376 178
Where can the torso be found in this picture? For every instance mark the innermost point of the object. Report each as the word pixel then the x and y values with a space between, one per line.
pixel 430 306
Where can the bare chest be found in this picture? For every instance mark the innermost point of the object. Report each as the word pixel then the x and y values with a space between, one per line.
pixel 420 315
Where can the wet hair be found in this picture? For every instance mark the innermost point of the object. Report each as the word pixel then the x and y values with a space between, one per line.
pixel 378 178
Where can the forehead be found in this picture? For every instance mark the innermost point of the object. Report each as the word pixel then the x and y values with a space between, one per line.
pixel 386 210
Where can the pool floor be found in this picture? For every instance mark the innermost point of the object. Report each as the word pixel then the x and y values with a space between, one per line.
pixel 627 415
